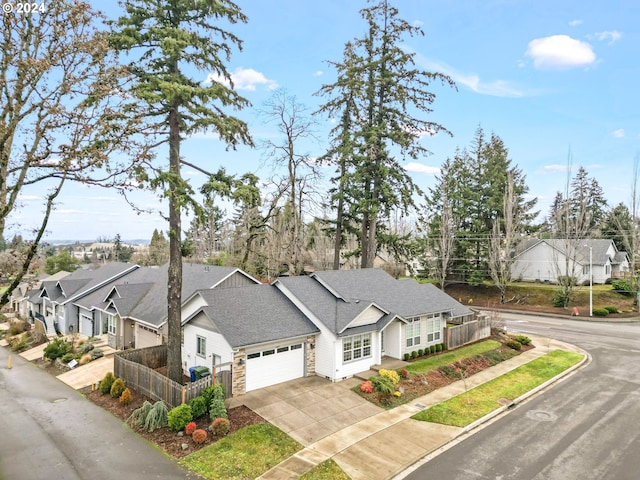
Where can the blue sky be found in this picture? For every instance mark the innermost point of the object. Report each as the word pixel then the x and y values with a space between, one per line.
pixel 548 77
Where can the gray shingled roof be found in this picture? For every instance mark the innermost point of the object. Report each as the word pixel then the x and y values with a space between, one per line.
pixel 598 246
pixel 359 288
pixel 255 314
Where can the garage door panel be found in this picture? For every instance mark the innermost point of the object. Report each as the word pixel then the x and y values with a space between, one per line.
pixel 274 365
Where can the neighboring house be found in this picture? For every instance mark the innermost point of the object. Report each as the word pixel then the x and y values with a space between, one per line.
pixel 546 259
pixel 53 302
pixel 19 298
pixel 133 310
pixel 256 328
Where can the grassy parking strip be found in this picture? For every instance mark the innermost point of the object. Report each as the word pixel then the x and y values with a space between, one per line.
pixel 468 407
pixel 246 454
pixel 327 470
pixel 430 363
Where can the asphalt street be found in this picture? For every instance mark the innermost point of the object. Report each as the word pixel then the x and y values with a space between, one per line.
pixel 585 427
pixel 49 431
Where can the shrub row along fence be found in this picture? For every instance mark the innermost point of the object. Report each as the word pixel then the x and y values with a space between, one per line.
pixel 138 369
pixel 468 332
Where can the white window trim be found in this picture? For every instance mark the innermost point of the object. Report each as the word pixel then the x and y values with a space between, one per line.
pixel 353 352
pixel 413 340
pixel 111 324
pixel 434 330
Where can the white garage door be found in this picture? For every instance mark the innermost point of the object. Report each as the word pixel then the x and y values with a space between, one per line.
pixel 274 365
pixel 86 325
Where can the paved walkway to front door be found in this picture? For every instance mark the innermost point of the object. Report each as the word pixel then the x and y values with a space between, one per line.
pixel 310 408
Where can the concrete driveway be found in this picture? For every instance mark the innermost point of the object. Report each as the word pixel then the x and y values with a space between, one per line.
pixel 310 408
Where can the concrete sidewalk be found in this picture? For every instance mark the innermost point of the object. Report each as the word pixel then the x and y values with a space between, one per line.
pixel 376 447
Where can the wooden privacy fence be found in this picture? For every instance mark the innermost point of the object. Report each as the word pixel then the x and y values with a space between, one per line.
pixel 468 332
pixel 137 369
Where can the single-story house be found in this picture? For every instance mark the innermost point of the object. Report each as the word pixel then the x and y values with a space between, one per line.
pixel 545 260
pixel 331 323
pixel 133 310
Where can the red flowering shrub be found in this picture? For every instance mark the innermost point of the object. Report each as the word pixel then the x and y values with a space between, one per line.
pixel 404 373
pixel 366 387
pixel 199 436
pixel 190 428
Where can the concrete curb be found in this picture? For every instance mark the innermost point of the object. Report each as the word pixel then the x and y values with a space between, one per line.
pixel 560 315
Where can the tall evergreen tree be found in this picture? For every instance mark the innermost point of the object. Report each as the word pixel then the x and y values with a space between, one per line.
pixel 380 89
pixel 173 38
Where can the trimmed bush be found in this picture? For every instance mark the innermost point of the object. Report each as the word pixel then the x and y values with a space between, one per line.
pixel 612 309
pixel 117 388
pixel 199 436
pixel 523 339
pixel 179 416
pixel 420 352
pixel 432 349
pixel 623 287
pixel 190 428
pixel 414 354
pixel 600 312
pixel 125 398
pixel 220 427
pixel 198 406
pixel 406 357
pixel 67 357
pixel 391 375
pixel 514 344
pixel 107 383
pixel 439 347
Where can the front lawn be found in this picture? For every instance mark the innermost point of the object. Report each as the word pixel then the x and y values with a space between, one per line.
pixel 468 407
pixel 327 470
pixel 246 454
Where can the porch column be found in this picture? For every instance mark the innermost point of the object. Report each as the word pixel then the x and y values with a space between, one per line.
pixel 310 359
pixel 239 373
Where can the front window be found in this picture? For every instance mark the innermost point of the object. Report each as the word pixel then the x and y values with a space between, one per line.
pixel 201 346
pixel 111 324
pixel 434 330
pixel 413 332
pixel 356 347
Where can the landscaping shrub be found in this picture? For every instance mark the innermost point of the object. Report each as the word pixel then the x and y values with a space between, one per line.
pixel 439 347
pixel 612 309
pixel 406 357
pixel 57 349
pixel 383 385
pixel 600 312
pixel 199 436
pixel 622 287
pixel 420 352
pixel 558 298
pixel 179 416
pixel 198 406
pixel 216 407
pixel 391 375
pixel 125 398
pixel 107 383
pixel 157 417
pixel 139 415
pixel 366 387
pixel 207 394
pixel 414 354
pixel 18 327
pixel 18 344
pixel 448 371
pixel 84 359
pixel 117 388
pixel 220 427
pixel 514 344
pixel 494 356
pixel 87 347
pixel 96 353
pixel 190 428
pixel 67 357
pixel 404 373
pixel 523 339
pixel 432 349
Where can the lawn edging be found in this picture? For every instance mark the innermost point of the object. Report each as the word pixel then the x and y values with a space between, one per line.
pixel 499 411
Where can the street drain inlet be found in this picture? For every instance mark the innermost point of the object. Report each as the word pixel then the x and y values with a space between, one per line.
pixel 542 416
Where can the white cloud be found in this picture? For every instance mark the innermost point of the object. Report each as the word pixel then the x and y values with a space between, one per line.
pixel 28 198
pixel 497 88
pixel 612 36
pixel 618 133
pixel 575 23
pixel 244 79
pixel 416 167
pixel 556 168
pixel 318 73
pixel 560 52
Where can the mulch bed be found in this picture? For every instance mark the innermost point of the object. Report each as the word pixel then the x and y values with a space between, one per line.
pixel 169 441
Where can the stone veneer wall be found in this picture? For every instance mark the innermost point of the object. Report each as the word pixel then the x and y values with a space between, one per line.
pixel 239 373
pixel 311 355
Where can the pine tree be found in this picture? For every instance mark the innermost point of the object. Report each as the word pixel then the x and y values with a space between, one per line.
pixel 379 87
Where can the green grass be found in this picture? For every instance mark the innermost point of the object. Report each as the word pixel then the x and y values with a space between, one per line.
pixel 468 407
pixel 245 454
pixel 327 470
pixel 430 363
